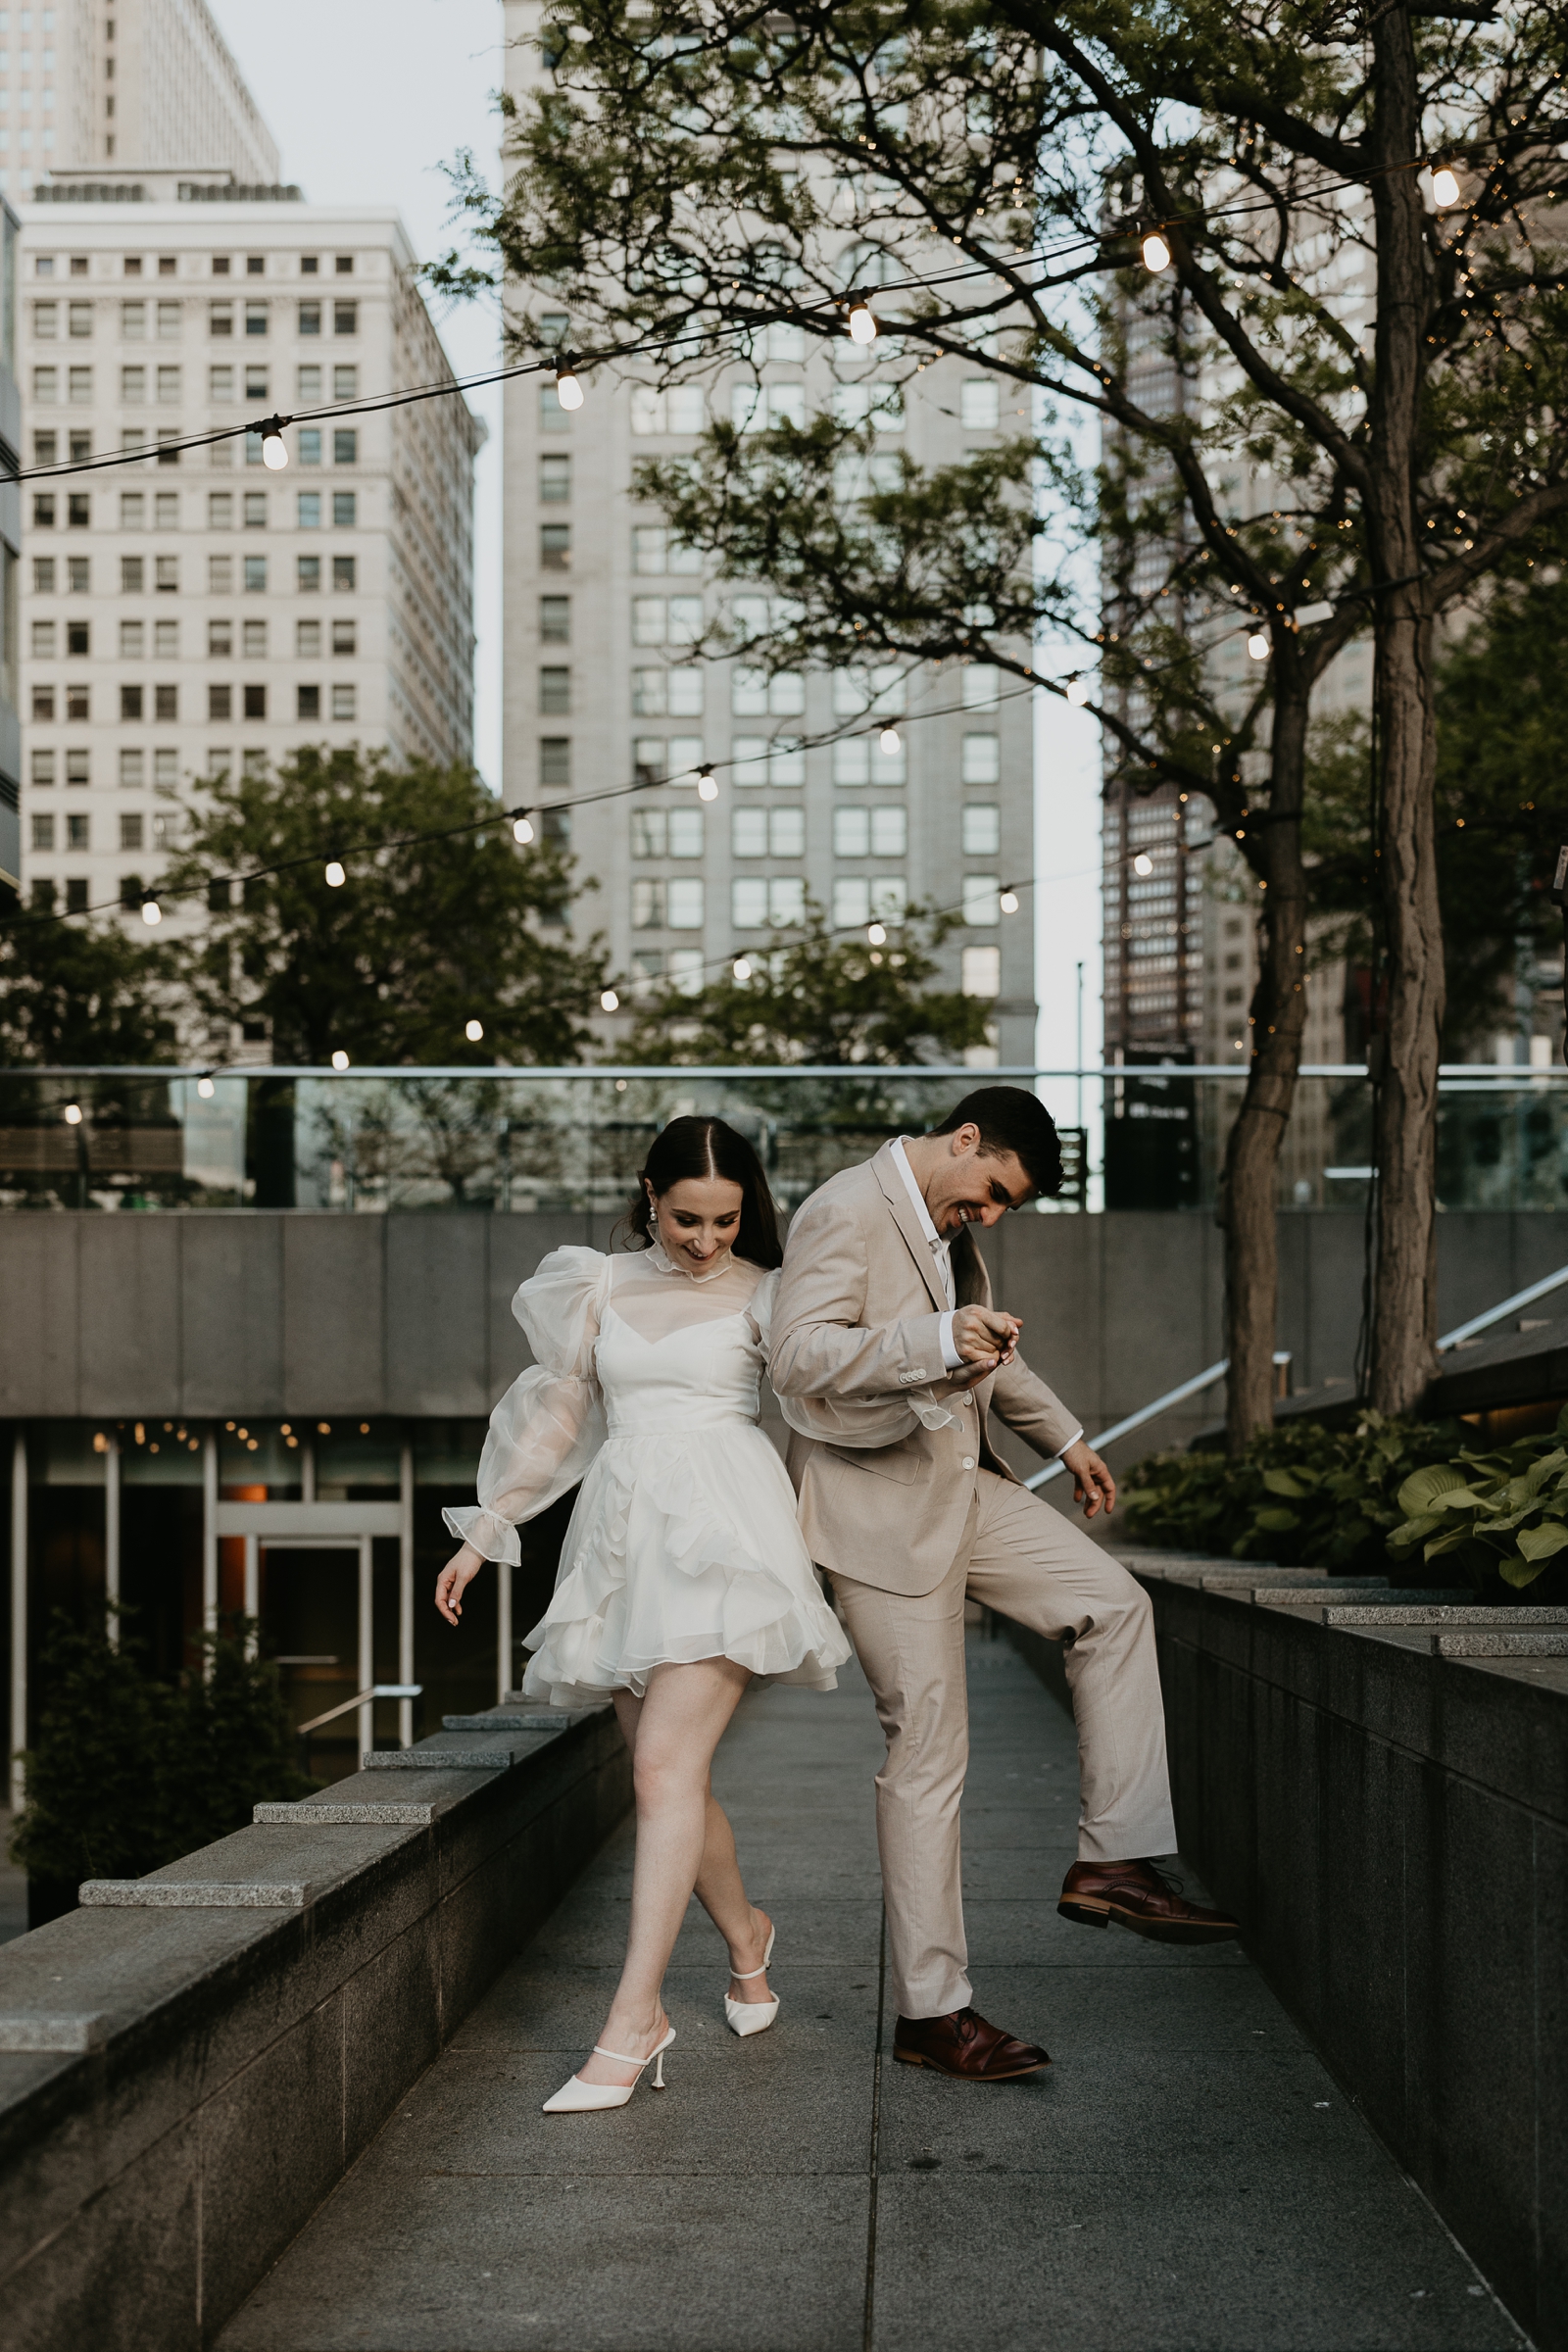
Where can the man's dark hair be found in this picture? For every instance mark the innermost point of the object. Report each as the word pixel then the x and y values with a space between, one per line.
pixel 1010 1120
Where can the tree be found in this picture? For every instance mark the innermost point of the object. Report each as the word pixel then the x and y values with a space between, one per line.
pixel 996 170
pixel 818 999
pixel 74 992
pixel 442 928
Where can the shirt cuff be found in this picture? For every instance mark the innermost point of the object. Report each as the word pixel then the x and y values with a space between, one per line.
pixel 952 1360
pixel 1071 1442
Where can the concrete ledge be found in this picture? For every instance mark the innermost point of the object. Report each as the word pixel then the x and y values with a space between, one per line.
pixel 191 2063
pixel 1381 1793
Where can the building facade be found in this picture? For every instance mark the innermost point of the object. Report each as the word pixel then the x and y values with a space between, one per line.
pixel 193 614
pixel 603 691
pixel 10 565
pixel 90 82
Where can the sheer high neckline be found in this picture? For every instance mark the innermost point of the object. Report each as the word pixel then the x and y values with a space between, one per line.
pixel 659 1256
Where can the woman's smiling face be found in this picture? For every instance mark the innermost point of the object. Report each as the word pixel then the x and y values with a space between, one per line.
pixel 698 1219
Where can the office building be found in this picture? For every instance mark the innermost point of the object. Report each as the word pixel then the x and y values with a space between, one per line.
pixel 10 565
pixel 149 82
pixel 194 614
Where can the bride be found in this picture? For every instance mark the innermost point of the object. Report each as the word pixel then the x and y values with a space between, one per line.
pixel 683 1572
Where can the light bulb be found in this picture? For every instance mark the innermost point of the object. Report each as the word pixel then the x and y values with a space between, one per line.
pixel 274 454
pixel 1009 901
pixel 875 933
pixel 567 390
pixel 1078 691
pixel 888 741
pixel 152 913
pixel 862 326
pixel 707 786
pixel 1156 252
pixel 206 1089
pixel 1257 646
pixel 1445 185
pixel 72 1114
pixel 473 1031
pixel 340 1060
pixel 522 829
pixel 743 969
pixel 336 875
pixel 609 1001
pixel 1143 864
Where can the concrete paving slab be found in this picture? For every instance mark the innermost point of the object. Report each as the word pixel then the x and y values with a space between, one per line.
pixel 1186 2178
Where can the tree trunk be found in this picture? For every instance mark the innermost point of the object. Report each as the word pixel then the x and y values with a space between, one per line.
pixel 1279 1016
pixel 1406 1055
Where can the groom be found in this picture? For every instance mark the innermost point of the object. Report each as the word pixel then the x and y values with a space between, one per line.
pixel 885 1296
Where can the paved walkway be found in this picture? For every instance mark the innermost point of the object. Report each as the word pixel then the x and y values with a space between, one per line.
pixel 1186 2176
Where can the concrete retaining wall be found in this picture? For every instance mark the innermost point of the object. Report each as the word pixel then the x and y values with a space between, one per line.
pixel 1388 1818
pixel 191 2062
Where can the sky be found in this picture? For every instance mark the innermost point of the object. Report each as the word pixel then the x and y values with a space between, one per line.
pixel 366 99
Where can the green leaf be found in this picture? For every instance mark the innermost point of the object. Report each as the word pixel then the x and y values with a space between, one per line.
pixel 1449 1543
pixel 1520 1572
pixel 1422 1488
pixel 1293 1485
pixel 1540 1542
pixel 1277 1522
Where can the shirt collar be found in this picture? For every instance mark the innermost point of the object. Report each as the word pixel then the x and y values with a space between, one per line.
pixel 916 1197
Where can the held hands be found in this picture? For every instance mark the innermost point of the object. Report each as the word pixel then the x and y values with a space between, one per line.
pixel 986 1339
pixel 458 1571
pixel 1092 1483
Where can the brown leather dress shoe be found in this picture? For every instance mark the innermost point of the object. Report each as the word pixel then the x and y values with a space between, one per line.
pixel 963 2044
pixel 1139 1896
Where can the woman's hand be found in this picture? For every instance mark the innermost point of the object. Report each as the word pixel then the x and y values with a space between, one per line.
pixel 458 1571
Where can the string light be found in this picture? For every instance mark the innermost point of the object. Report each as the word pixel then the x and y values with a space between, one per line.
pixel 875 933
pixel 1009 901
pixel 1143 864
pixel 72 1114
pixel 152 915
pixel 609 1001
pixel 567 390
pixel 1156 252
pixel 1445 185
pixel 706 783
pixel 275 450
pixel 473 1031
pixel 861 323
pixel 742 967
pixel 206 1089
pixel 1078 691
pixel 340 1060
pixel 336 873
pixel 522 828
pixel 1257 646
pixel 888 741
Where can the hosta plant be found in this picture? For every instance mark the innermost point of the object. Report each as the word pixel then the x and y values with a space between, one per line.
pixel 1503 1513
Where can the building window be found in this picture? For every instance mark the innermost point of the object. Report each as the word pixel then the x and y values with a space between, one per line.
pixel 43 575
pixel 132 573
pixel 345 509
pixel 852 833
pixel 44 832
pixel 43 511
pixel 132 770
pixel 221 319
pixel 166 510
pixel 683 903
pixel 77 896
pixel 978 404
pixel 650 832
pixel 130 830
pixel 43 702
pixel 220 574
pixel 345 317
pixel 308 640
pixel 220 701
pixel 981 683
pixel 43 640
pixel 981 760
pixel 345 448
pixel 44 897
pixel 307 702
pixel 170 321
pixel 130 702
pixel 133 387
pixel 78 767
pixel 555 481
pixel 982 830
pixel 165 574
pixel 45 321
pixel 168 387
pixel 166 770
pixel 980 901
pixel 555 547
pixel 254 510
pixel 309 576
pixel 80 386
pixel 345 570
pixel 851 901
pixel 254 701
pixel 753 694
pixel 555 762
pixel 254 574
pixel 345 636
pixel 309 510
pixel 79 511
pixel 647 905
pixel 309 444
pixel 555 619
pixel 256 318
pixel 78 574
pixel 981 972
pixel 889 832
pixel 345 383
pixel 553 418
pixel 254 640
pixel 43 767
pixel 220 509
pixel 344 702
pixel 555 690
pixel 77 702
pixel 77 833
pixel 77 637
pixel 310 318
pixel 45 386
pixel 166 702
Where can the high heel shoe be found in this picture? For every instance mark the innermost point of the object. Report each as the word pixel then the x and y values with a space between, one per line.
pixel 752 2017
pixel 577 2097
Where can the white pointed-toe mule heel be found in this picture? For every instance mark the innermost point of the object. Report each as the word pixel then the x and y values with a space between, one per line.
pixel 752 2017
pixel 579 2097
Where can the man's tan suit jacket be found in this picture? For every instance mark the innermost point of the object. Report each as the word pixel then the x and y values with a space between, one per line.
pixel 855 1349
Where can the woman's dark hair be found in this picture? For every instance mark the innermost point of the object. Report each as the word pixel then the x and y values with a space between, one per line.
pixel 706 1148
pixel 1010 1120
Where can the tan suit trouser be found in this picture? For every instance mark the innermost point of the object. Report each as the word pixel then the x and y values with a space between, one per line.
pixel 1029 1563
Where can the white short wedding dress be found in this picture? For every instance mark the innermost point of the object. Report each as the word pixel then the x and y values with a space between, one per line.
pixel 684 1543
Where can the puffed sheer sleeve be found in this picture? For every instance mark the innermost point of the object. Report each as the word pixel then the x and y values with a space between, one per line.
pixel 550 1422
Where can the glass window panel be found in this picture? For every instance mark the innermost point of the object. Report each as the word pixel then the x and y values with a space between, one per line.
pixel 748 903
pixel 851 901
pixel 786 832
pixel 982 830
pixel 748 832
pixel 981 760
pixel 685 903
pixel 889 833
pixel 852 833
pixel 686 832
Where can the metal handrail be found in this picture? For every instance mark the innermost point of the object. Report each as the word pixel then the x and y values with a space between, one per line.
pixel 1108 1437
pixel 361 1699
pixel 1494 1314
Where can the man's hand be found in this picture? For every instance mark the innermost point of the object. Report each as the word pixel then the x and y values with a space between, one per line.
pixel 1092 1483
pixel 986 1339
pixel 460 1570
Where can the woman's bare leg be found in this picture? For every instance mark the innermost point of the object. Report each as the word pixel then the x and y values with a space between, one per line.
pixel 673 1734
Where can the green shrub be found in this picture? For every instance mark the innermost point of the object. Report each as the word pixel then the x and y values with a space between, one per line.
pixel 1491 1514
pixel 129 1773
pixel 1298 1494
